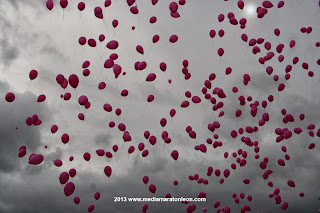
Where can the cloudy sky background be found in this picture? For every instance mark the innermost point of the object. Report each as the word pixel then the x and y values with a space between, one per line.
pixel 34 38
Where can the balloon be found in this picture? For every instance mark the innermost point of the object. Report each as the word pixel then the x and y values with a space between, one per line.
pixel 112 45
pixel 87 156
pixel 63 177
pixel 151 77
pixel 220 52
pixel 107 171
pixel 73 81
pixel 83 100
pixel 152 188
pixel 172 112
pixel 10 97
pixel 57 162
pixel 65 138
pixel 69 189
pixel 97 195
pixel 33 74
pixel 36 159
pixel 81 6
pixel 139 49
pixel 72 172
pixel 175 154
pixel 173 6
pixel 91 208
pixel 63 3
pixel 82 41
pixel 173 38
pixel 155 38
pixel 76 200
pixel 49 4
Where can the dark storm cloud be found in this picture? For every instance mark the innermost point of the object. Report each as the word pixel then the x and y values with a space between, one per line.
pixel 9 52
pixel 103 139
pixel 14 115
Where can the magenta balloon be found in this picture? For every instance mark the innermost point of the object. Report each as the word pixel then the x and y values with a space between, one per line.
pixel 107 171
pixel 220 17
pixel 83 100
pixel 65 138
pixel 240 4
pixel 155 38
pixel 87 156
pixel 22 153
pixel 175 15
pixel 115 23
pixel 212 33
pixel 57 162
pixel 134 10
pixel 63 3
pixel 63 177
pixel 154 2
pixel 60 79
pixel 81 6
pixel 185 104
pixel 69 189
pixel 153 20
pixel 108 63
pixel 98 10
pixel 73 81
pixel 86 64
pixel 49 4
pixel 118 112
pixel 139 49
pixel 163 66
pixel 102 85
pixel 124 93
pixel 173 6
pixel 221 33
pixel 142 65
pixel 141 146
pixel 145 153
pixel 100 152
pixel 196 99
pixel 244 37
pixel 41 98
pixel 36 159
pixel 152 188
pixel 115 148
pixel 173 38
pixel 291 183
pixel 10 97
pixel 163 122
pixel 86 72
pixel 150 98
pixel 151 77
pixel 267 4
pixel 67 96
pixel 33 74
pixel 72 172
pixel 280 4
pixel 130 2
pixel 153 140
pixel 92 42
pixel 82 40
pixel 172 113
pixel 97 195
pixel 220 52
pixel 113 45
pixel 76 200
pixel 175 154
pixel 131 149
pixel 91 208
pixel 146 134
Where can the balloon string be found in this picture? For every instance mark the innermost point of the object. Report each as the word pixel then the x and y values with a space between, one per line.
pixel 25 172
pixel 76 98
pixel 28 87
pixel 62 150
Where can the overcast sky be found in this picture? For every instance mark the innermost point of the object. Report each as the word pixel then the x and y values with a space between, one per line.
pixel 32 37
